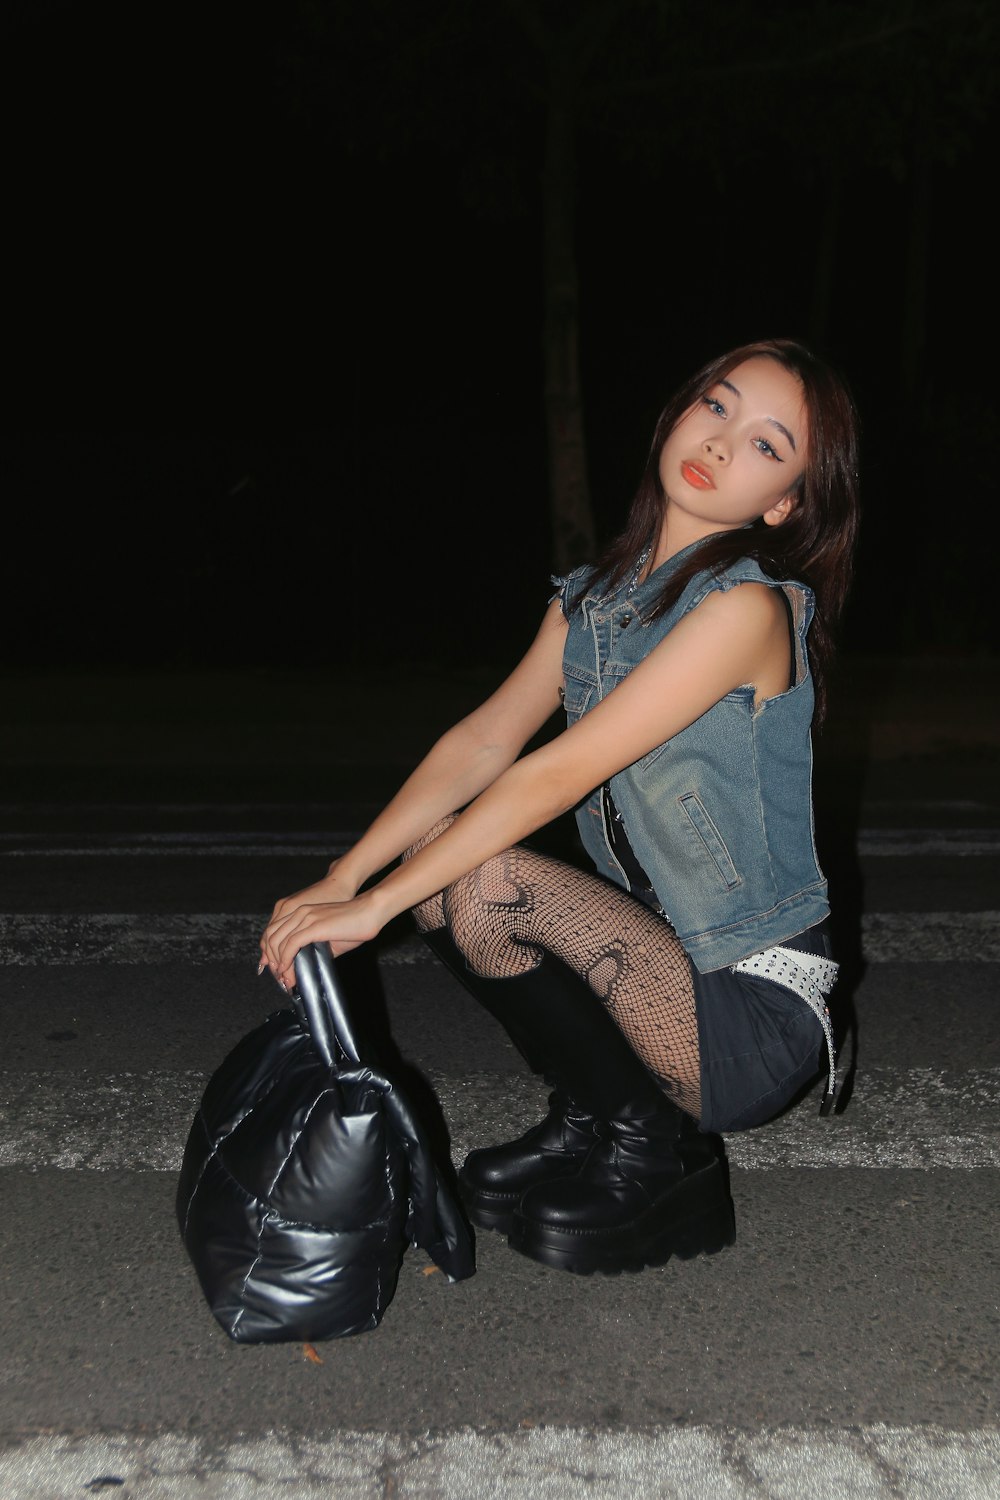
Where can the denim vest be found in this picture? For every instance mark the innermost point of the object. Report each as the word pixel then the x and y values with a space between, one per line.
pixel 719 816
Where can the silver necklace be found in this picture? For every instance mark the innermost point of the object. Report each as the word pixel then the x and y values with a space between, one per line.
pixel 633 582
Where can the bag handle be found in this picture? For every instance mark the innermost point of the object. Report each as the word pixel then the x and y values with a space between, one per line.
pixel 435 1220
pixel 321 1003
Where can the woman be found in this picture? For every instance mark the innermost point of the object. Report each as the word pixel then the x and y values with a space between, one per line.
pixel 681 990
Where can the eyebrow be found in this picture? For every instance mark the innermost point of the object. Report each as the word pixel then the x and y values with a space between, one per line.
pixel 773 421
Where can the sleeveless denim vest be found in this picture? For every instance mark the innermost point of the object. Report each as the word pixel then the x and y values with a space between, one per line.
pixel 720 816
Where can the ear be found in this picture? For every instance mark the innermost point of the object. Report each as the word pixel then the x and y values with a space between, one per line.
pixel 781 511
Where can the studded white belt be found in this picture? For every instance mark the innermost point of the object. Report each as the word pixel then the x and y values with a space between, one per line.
pixel 811 977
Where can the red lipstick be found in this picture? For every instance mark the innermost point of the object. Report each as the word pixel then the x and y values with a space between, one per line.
pixel 698 476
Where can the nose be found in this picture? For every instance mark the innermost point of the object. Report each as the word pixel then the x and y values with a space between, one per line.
pixel 715 447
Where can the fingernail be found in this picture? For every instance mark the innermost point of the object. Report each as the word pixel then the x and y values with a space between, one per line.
pixel 261 967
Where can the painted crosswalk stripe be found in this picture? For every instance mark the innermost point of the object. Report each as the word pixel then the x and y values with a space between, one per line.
pixel 964 843
pixel 918 1118
pixel 872 843
pixel 326 849
pixel 259 844
pixel 878 1461
pixel 31 938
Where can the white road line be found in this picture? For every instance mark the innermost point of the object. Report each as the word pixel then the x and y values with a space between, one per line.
pixel 31 938
pixel 147 843
pixel 222 844
pixel 920 1119
pixel 879 1462
pixel 921 842
pixel 68 810
pixel 189 849
pixel 954 806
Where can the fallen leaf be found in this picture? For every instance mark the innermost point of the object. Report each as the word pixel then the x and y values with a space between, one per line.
pixel 429 1270
pixel 309 1352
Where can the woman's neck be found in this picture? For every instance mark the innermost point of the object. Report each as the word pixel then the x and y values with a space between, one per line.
pixel 678 531
pixel 675 536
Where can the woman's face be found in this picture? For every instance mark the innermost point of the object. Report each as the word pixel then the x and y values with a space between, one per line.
pixel 740 450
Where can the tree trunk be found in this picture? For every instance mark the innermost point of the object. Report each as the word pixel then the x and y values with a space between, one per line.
pixel 914 312
pixel 826 259
pixel 573 531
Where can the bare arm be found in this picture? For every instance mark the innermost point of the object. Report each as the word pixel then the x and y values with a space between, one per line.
pixel 464 761
pixel 470 756
pixel 730 639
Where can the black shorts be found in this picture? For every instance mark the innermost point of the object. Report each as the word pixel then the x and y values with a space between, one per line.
pixel 759 1042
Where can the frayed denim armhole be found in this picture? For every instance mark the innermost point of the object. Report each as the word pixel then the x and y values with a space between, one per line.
pixel 560 585
pixel 564 589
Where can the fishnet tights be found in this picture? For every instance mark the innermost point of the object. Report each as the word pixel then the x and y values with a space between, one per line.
pixel 519 903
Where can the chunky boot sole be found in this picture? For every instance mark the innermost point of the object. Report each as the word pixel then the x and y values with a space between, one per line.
pixel 493 1180
pixel 496 1210
pixel 489 1210
pixel 696 1218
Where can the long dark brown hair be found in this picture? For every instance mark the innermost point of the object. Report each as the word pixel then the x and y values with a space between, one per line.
pixel 815 543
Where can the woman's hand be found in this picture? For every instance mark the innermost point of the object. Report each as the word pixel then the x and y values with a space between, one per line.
pixel 336 887
pixel 343 924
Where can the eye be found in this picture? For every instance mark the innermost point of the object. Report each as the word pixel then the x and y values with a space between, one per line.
pixel 714 405
pixel 768 449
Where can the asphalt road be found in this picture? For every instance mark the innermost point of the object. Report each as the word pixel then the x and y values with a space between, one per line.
pixel 845 1346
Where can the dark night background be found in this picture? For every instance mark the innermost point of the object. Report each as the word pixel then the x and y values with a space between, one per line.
pixel 275 296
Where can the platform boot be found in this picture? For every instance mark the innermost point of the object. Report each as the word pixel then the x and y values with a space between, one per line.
pixel 653 1187
pixel 493 1179
pixel 616 1176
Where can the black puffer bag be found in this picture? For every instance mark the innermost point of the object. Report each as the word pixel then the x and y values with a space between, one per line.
pixel 306 1176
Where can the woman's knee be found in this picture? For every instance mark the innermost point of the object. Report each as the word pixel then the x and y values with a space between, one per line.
pixel 429 914
pixel 429 837
pixel 488 913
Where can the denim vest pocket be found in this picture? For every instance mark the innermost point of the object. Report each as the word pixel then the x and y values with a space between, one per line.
pixel 711 838
pixel 652 755
pixel 578 692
